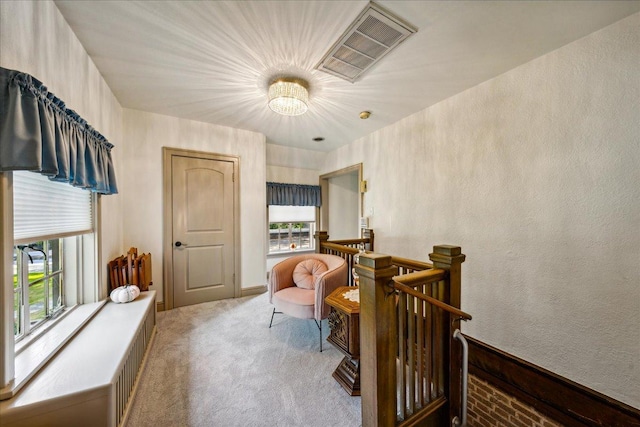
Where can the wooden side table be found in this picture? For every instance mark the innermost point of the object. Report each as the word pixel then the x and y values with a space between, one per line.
pixel 344 321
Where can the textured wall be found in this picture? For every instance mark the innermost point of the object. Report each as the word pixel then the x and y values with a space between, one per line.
pixel 279 155
pixel 292 175
pixel 535 174
pixel 142 160
pixel 35 38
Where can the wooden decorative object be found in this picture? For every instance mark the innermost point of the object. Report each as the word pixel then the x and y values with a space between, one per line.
pixel 344 321
pixel 145 272
pixel 132 269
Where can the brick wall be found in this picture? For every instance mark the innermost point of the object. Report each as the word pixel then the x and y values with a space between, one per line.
pixel 490 407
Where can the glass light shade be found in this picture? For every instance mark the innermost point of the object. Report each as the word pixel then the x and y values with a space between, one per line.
pixel 288 97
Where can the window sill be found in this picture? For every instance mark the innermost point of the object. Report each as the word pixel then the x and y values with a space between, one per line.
pixel 33 355
pixel 41 330
pixel 290 253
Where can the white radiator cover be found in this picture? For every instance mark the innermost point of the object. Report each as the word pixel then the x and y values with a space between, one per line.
pixel 92 380
pixel 127 379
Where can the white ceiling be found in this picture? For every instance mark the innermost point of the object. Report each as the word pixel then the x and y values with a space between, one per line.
pixel 212 61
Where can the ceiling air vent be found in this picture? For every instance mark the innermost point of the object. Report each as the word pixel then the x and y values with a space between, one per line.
pixel 372 35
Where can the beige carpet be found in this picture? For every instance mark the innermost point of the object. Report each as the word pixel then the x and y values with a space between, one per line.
pixel 219 364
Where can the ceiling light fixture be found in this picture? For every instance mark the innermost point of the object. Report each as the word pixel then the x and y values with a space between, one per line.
pixel 289 96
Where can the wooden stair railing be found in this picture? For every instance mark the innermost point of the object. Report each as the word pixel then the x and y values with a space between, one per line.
pixel 406 266
pixel 410 364
pixel 345 248
pixel 366 240
pixel 424 330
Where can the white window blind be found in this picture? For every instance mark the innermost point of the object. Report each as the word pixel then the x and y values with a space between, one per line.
pixel 44 209
pixel 292 213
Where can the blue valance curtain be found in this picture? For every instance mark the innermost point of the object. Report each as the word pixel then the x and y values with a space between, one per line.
pixel 38 133
pixel 293 194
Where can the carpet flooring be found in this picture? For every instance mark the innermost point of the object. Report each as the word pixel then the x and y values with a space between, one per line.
pixel 219 364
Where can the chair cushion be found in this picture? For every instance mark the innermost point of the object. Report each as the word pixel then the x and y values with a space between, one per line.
pixel 306 273
pixel 296 302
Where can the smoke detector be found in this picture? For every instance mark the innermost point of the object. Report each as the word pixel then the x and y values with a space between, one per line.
pixel 374 34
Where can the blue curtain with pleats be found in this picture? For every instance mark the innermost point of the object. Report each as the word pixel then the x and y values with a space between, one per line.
pixel 39 133
pixel 293 194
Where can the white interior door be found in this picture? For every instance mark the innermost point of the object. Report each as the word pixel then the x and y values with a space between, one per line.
pixel 203 230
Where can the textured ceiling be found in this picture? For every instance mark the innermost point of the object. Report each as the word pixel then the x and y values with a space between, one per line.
pixel 212 61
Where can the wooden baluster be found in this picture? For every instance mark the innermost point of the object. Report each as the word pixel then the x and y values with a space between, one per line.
pixel 402 354
pixel 441 354
pixel 321 237
pixel 411 341
pixel 378 345
pixel 352 264
pixel 450 258
pixel 421 351
pixel 367 233
pixel 431 350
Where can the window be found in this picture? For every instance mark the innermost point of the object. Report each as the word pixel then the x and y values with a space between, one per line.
pixel 53 270
pixel 38 284
pixel 291 228
pixel 51 222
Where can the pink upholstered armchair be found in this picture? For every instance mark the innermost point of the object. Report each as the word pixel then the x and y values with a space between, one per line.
pixel 299 284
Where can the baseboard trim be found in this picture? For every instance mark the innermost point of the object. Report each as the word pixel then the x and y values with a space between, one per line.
pixel 245 292
pixel 254 290
pixel 558 398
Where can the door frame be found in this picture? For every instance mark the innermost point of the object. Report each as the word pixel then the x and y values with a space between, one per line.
pixel 322 220
pixel 167 216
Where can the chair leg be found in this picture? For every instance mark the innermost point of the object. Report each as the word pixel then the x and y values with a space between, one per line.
pixel 273 314
pixel 319 325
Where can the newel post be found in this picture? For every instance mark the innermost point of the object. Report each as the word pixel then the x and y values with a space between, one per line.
pixel 320 236
pixel 378 341
pixel 367 233
pixel 450 258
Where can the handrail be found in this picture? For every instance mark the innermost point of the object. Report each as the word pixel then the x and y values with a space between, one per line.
pixel 462 421
pixel 350 241
pixel 365 241
pixel 340 248
pixel 421 277
pixel 446 307
pixel 410 263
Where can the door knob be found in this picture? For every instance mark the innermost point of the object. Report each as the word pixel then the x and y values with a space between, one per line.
pixel 178 244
